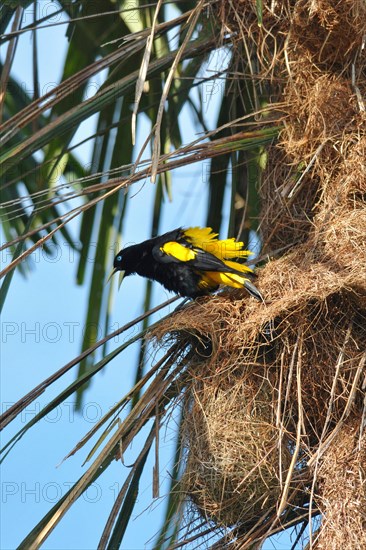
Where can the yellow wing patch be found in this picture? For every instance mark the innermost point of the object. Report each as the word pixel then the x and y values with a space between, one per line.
pixel 238 267
pixel 178 251
pixel 227 279
pixel 206 239
pixel 199 236
pixel 211 279
pixel 230 248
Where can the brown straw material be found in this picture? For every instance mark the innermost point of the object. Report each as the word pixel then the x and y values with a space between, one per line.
pixel 274 420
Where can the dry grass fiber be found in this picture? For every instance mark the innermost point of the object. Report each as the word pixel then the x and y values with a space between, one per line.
pixel 275 409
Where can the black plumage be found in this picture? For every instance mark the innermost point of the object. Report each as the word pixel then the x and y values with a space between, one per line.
pixel 182 262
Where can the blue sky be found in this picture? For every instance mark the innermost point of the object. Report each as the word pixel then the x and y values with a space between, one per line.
pixel 42 329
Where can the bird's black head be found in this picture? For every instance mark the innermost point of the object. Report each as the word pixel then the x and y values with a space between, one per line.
pixel 134 259
pixel 128 259
pixel 118 263
pixel 124 264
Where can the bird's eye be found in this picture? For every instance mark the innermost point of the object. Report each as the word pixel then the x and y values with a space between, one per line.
pixel 119 258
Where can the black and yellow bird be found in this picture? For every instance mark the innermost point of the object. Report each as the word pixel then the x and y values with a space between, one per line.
pixel 191 262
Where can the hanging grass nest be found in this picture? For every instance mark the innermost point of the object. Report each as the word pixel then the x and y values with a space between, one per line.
pixel 280 381
pixel 343 466
pixel 235 468
pixel 274 390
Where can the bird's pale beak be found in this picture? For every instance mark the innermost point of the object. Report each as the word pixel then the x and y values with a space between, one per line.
pixel 114 270
pixel 120 278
